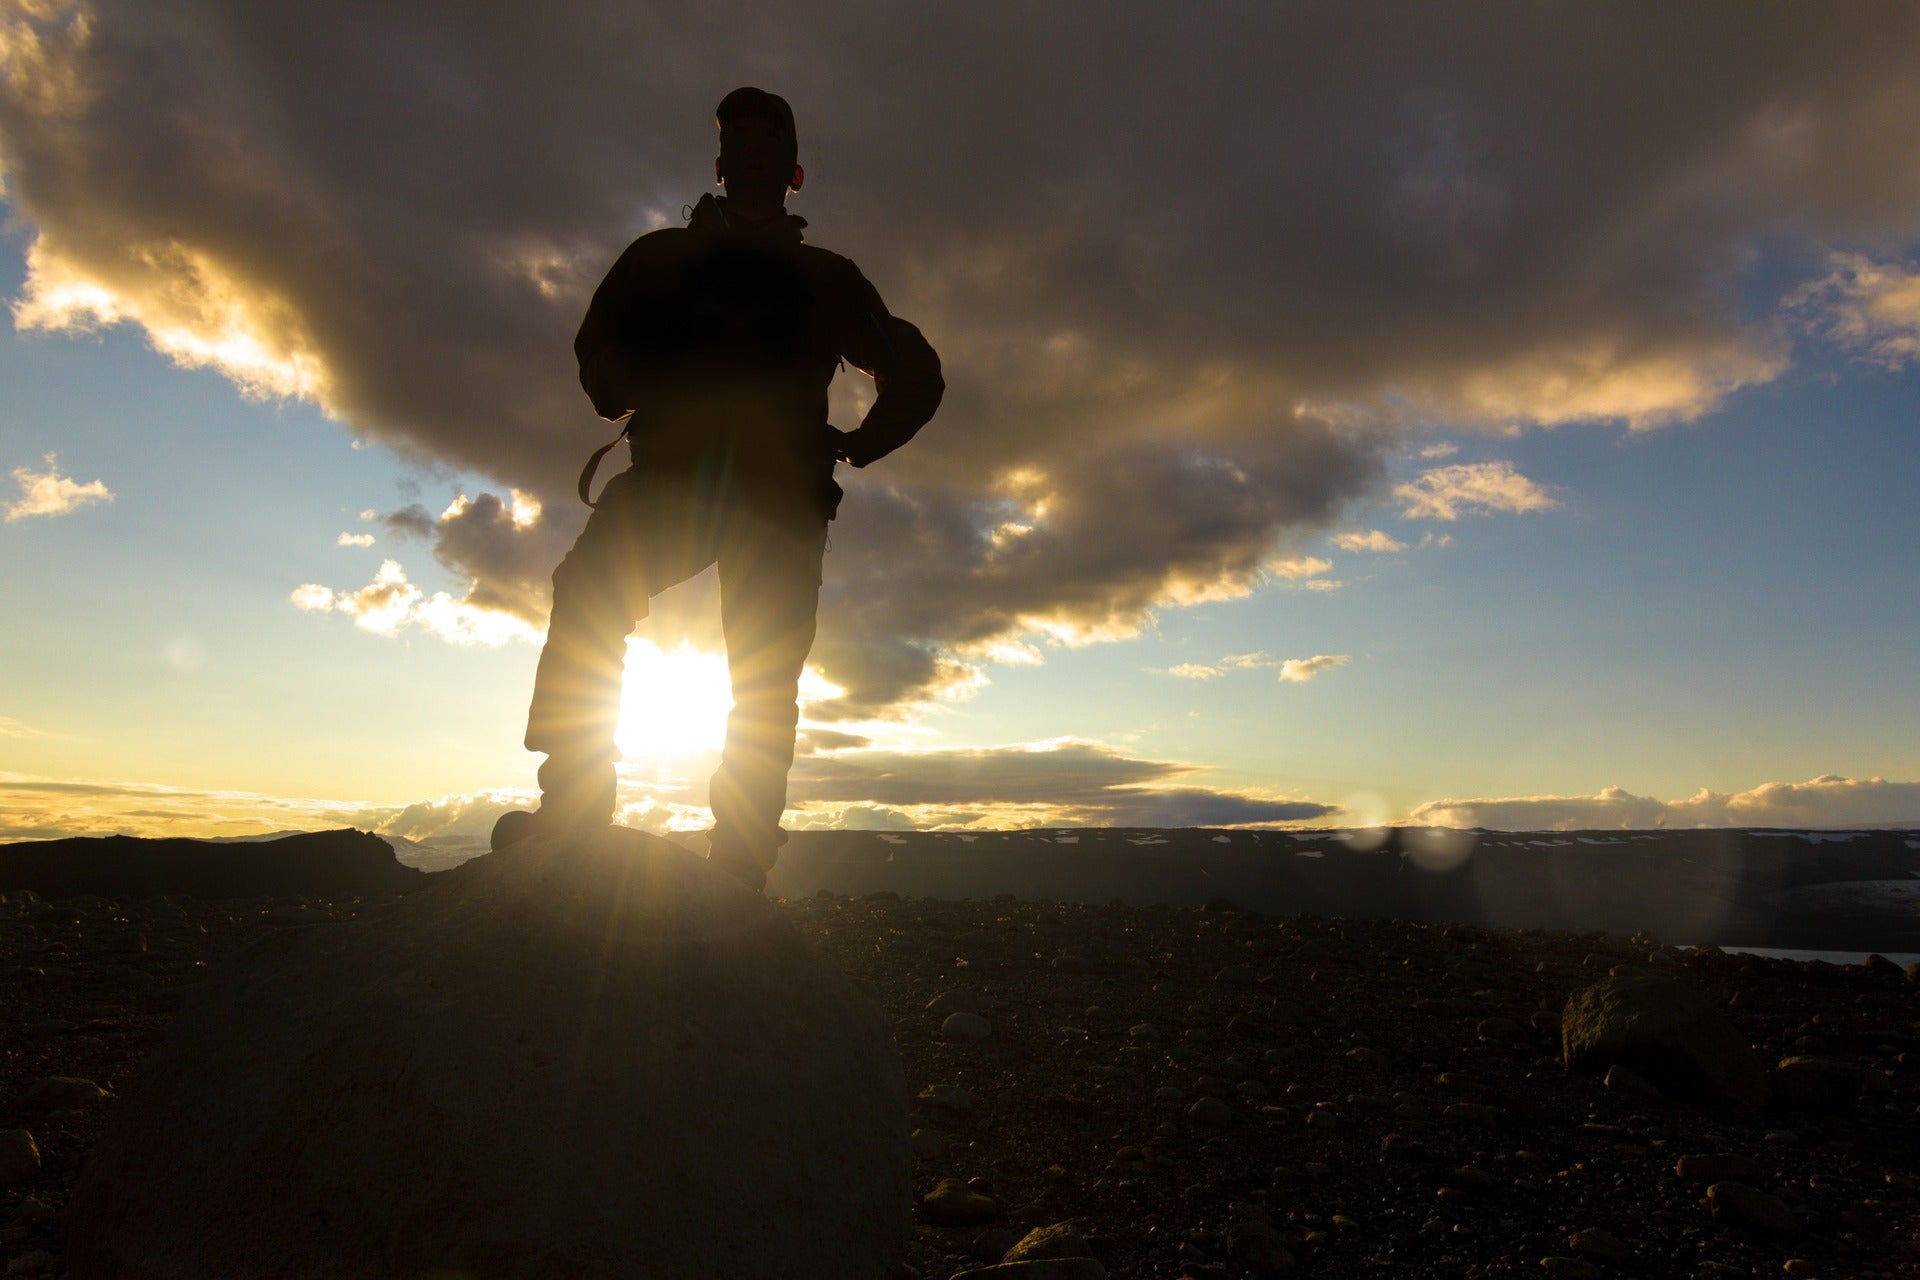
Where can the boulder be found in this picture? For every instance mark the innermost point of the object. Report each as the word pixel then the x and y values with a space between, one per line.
pixel 1667 1033
pixel 19 1158
pixel 596 1058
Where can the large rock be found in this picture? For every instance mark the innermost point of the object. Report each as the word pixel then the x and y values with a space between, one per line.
pixel 1668 1033
pixel 600 1060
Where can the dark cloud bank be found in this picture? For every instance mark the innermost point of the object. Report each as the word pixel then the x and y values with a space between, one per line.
pixel 1194 273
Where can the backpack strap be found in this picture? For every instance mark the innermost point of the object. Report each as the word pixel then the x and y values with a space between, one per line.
pixel 593 463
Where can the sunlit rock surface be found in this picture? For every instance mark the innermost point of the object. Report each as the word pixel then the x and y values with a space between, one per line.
pixel 598 1060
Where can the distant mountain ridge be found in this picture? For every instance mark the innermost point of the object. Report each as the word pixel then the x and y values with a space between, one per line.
pixel 1731 886
pixel 1846 890
pixel 317 864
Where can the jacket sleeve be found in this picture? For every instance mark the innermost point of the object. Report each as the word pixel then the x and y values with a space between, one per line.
pixel 604 346
pixel 904 368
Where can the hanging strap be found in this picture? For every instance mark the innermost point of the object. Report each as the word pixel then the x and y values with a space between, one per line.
pixel 593 463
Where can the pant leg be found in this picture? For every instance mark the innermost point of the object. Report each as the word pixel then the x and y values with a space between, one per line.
pixel 769 593
pixel 638 541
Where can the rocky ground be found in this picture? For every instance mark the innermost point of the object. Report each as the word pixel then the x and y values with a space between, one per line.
pixel 1199 1092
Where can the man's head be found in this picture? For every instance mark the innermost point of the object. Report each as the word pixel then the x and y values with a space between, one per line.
pixel 759 152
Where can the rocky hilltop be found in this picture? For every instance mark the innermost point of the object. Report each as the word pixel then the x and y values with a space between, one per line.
pixel 1206 1090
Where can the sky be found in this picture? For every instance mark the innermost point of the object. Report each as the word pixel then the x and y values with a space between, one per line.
pixel 1489 414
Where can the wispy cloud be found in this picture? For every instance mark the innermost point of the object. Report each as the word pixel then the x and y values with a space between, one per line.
pixel 1370 540
pixel 1471 488
pixel 1826 801
pixel 12 728
pixel 48 493
pixel 1870 307
pixel 1301 670
pixel 1291 670
pixel 354 540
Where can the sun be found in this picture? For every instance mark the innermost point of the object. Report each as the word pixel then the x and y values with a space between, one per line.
pixel 674 703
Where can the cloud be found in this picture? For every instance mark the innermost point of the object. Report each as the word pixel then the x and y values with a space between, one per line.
pixel 1301 670
pixel 1433 452
pixel 390 604
pixel 12 728
pixel 1054 783
pixel 1471 488
pixel 1291 670
pixel 1172 348
pixel 48 493
pixel 1294 568
pixel 1867 306
pixel 1826 801
pixel 1371 540
pixel 354 540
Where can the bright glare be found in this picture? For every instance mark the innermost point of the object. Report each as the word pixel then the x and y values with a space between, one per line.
pixel 674 704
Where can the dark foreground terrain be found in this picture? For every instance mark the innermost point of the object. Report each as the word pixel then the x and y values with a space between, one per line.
pixel 1201 1090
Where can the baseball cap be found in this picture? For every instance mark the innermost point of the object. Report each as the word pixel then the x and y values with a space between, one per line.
pixel 748 101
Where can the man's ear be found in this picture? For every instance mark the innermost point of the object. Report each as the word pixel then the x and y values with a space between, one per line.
pixel 799 179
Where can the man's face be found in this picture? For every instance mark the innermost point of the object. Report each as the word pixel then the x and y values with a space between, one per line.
pixel 756 151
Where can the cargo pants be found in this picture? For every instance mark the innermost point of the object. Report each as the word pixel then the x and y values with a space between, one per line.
pixel 649 533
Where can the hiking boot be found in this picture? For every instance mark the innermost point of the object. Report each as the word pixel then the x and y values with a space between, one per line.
pixel 544 823
pixel 577 797
pixel 740 863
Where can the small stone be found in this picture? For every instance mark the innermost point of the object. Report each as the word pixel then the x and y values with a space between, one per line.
pixel 1168 1096
pixel 946 1096
pixel 61 1093
pixel 1211 1113
pixel 1603 1245
pixel 1060 1240
pixel 29 1262
pixel 1145 1033
pixel 1472 1113
pixel 1500 1031
pixel 1751 1207
pixel 1570 1268
pixel 1318 1119
pixel 966 1026
pixel 1718 1166
pixel 954 1204
pixel 19 1157
pixel 1797 1267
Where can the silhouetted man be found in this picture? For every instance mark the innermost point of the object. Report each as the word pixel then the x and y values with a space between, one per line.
pixel 720 339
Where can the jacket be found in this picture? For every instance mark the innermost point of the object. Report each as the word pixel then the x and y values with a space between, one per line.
pixel 722 344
